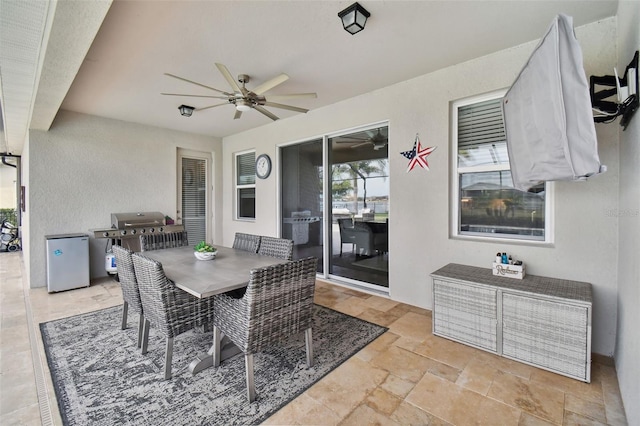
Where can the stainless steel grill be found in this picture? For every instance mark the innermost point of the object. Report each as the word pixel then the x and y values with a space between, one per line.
pixel 126 228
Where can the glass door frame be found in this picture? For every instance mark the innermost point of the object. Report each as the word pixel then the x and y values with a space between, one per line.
pixel 327 205
pixel 208 159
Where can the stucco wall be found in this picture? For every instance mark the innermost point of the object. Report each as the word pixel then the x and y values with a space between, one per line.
pixel 627 353
pixel 85 168
pixel 585 246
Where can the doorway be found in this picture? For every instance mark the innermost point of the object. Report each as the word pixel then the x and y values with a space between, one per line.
pixel 359 165
pixel 335 204
pixel 194 209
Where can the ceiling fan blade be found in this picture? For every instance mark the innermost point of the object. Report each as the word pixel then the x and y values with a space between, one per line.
pixel 194 96
pixel 282 106
pixel 360 144
pixel 211 106
pixel 237 115
pixel 265 112
pixel 227 75
pixel 292 96
pixel 270 84
pixel 197 84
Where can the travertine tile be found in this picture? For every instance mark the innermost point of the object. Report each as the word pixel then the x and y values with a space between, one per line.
pixel 381 303
pixel 446 351
pixel 353 306
pixel 347 386
pixel 382 401
pixel 397 386
pixel 542 401
pixel 573 419
pixel 412 325
pixel 613 405
pixel 589 391
pixel 527 419
pixel 409 414
pixel 301 411
pixel 404 364
pixel 377 317
pixel 477 376
pixel 444 399
pixel 365 415
pixel 583 407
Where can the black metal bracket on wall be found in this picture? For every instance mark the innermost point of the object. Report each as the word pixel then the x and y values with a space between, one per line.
pixel 626 89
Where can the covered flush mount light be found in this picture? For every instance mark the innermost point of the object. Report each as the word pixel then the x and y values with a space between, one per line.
pixel 242 105
pixel 353 18
pixel 186 110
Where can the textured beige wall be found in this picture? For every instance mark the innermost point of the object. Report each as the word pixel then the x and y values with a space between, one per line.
pixel 585 247
pixel 627 354
pixel 85 168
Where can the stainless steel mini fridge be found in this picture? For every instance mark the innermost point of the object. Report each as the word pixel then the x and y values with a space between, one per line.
pixel 67 261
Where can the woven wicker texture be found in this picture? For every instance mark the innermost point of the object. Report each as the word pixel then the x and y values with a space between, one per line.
pixel 127 277
pixel 246 242
pixel 466 313
pixel 169 309
pixel 276 247
pixel 548 334
pixel 278 303
pixel 162 241
pixel 565 289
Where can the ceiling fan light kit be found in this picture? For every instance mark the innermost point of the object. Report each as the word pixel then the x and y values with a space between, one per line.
pixel 242 98
pixel 354 18
pixel 186 110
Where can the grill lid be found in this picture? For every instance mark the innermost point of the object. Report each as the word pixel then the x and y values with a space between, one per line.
pixel 128 220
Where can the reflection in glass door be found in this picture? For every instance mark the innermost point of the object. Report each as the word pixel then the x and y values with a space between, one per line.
pixel 301 206
pixel 359 167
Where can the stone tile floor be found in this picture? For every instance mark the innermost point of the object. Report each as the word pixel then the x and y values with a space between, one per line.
pixel 407 376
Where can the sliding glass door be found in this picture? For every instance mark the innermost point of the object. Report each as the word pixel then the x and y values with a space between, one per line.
pixel 301 207
pixel 353 217
pixel 359 167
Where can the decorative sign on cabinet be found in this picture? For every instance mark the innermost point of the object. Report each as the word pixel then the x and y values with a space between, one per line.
pixel 544 322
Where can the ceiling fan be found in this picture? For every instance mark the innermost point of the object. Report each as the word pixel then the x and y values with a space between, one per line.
pixel 245 99
pixel 373 137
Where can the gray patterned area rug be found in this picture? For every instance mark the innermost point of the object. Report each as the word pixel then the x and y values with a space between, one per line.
pixel 101 379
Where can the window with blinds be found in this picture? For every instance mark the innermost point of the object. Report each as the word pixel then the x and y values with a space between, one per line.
pixel 194 198
pixel 485 203
pixel 246 185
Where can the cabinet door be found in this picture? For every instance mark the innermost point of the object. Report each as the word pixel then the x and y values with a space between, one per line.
pixel 552 335
pixel 465 313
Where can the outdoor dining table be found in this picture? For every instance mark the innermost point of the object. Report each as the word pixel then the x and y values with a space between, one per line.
pixel 205 278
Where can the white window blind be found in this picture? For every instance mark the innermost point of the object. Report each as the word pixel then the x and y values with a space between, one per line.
pixel 245 185
pixel 485 202
pixel 194 198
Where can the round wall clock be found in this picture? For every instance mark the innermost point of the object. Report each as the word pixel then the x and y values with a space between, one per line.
pixel 263 166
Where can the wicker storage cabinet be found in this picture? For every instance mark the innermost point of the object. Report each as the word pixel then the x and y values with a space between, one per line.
pixel 544 322
pixel 466 313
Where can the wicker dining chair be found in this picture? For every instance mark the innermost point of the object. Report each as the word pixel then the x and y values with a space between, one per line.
pixel 167 308
pixel 278 304
pixel 161 241
pixel 276 247
pixel 246 242
pixel 129 285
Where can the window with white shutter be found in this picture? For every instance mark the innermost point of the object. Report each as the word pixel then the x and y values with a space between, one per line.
pixel 484 201
pixel 245 185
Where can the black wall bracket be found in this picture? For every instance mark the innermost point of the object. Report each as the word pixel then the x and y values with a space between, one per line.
pixel 626 89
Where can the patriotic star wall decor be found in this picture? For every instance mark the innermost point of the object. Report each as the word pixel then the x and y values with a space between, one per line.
pixel 418 155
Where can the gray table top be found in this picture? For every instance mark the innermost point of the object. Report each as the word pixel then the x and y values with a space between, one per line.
pixel 204 278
